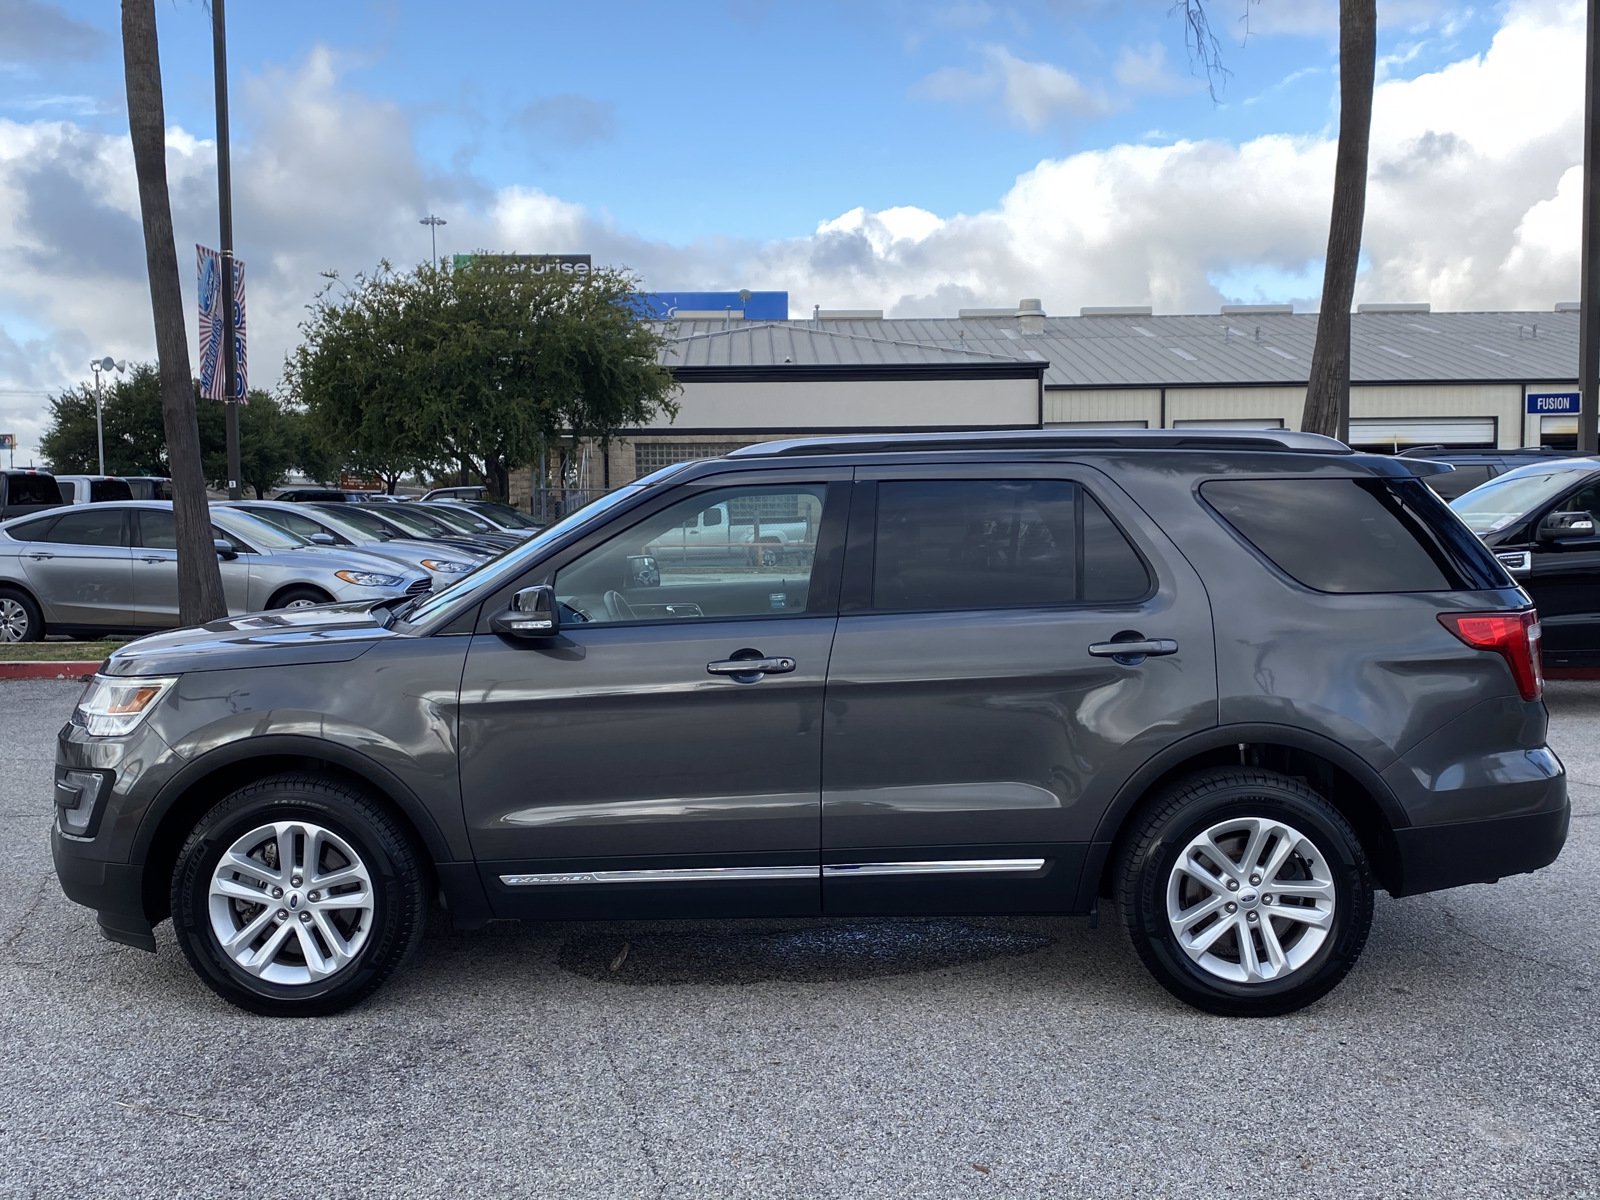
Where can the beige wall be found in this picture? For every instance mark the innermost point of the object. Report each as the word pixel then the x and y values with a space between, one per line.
pixel 855 404
pixel 1236 403
pixel 1103 404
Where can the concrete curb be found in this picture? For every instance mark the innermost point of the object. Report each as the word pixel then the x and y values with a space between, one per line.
pixel 48 670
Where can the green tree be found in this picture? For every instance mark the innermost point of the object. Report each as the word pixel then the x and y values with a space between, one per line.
pixel 1327 408
pixel 482 367
pixel 272 437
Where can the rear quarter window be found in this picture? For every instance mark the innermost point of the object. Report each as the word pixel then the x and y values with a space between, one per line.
pixel 1356 535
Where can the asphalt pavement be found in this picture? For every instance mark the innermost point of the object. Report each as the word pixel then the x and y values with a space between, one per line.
pixel 904 1058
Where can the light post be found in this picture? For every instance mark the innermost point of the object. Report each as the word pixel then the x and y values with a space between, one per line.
pixel 433 223
pixel 98 365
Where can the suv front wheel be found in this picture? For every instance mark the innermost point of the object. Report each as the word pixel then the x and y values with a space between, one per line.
pixel 297 896
pixel 1245 892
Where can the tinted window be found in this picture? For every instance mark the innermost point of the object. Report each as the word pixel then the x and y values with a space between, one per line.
pixel 292 521
pixel 32 489
pixel 88 528
pixel 1462 480
pixel 68 490
pixel 158 530
pixel 965 544
pixel 672 566
pixel 110 489
pixel 34 530
pixel 1356 535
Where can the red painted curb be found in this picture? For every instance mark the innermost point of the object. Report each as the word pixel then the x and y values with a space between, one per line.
pixel 48 670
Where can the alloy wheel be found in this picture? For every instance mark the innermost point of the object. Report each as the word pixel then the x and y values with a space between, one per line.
pixel 13 620
pixel 291 902
pixel 1250 900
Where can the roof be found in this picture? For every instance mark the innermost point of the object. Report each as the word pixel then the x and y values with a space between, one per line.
pixel 1154 351
pixel 798 343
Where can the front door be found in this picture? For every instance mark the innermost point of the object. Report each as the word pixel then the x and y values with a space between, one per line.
pixel 1564 582
pixel 155 571
pixel 980 713
pixel 661 755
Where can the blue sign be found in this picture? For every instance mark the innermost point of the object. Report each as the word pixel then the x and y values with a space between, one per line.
pixel 1553 404
pixel 756 306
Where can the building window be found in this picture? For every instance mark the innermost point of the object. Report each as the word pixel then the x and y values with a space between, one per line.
pixel 652 456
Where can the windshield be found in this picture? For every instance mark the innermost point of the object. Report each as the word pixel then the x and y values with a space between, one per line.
pixel 498 571
pixel 369 526
pixel 423 523
pixel 458 519
pixel 263 535
pixel 1496 504
pixel 504 514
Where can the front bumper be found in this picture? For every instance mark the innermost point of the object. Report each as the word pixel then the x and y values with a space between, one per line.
pixel 115 890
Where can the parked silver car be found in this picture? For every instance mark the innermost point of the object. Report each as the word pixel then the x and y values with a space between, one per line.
pixel 445 564
pixel 113 567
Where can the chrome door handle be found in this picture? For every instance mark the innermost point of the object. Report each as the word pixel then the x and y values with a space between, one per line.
pixel 151 558
pixel 39 556
pixel 751 666
pixel 1123 651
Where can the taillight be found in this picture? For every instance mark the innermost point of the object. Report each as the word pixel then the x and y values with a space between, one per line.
pixel 1513 635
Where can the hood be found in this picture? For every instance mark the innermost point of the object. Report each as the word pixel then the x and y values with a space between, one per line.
pixel 340 558
pixel 289 637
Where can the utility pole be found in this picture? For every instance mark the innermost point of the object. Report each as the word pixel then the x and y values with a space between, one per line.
pixel 230 362
pixel 1589 316
pixel 433 223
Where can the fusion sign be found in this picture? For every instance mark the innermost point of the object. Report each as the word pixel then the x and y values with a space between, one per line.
pixel 1553 404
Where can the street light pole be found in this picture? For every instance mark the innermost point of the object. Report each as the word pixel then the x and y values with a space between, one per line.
pixel 99 425
pixel 433 223
pixel 230 360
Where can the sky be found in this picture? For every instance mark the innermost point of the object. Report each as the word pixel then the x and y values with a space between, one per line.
pixel 917 156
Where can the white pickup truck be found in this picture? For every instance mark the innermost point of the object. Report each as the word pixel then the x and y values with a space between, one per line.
pixel 714 536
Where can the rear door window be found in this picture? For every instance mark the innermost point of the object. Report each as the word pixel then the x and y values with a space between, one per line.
pixel 109 489
pixel 89 527
pixel 956 544
pixel 1356 535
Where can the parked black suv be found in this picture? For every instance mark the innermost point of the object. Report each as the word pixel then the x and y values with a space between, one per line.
pixel 1543 524
pixel 1236 682
pixel 1475 467
pixel 23 492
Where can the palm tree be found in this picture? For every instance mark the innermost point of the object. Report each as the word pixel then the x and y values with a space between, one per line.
pixel 1327 408
pixel 200 595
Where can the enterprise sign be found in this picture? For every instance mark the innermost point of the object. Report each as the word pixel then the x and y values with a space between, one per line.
pixel 534 264
pixel 1552 404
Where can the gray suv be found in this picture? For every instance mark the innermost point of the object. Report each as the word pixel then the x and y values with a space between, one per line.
pixel 1236 683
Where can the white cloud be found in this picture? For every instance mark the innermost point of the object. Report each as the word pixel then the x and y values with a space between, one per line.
pixel 1473 204
pixel 1032 94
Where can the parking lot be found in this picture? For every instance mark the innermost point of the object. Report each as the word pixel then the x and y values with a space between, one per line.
pixel 918 1058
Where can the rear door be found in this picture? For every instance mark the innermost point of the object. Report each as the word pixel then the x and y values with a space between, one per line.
pixel 79 566
pixel 979 715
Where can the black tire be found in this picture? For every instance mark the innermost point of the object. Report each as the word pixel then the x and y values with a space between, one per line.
pixel 300 595
pixel 1197 804
pixel 20 618
pixel 399 893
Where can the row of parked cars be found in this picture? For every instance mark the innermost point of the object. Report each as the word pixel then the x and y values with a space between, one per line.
pixel 104 566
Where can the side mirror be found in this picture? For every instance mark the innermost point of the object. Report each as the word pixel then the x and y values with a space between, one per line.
pixel 533 614
pixel 1566 527
pixel 226 550
pixel 643 572
pixel 323 539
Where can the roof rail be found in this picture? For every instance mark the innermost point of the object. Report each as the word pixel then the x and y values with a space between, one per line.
pixel 1047 439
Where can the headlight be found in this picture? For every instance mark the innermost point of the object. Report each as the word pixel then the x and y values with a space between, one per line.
pixel 369 579
pixel 445 566
pixel 116 706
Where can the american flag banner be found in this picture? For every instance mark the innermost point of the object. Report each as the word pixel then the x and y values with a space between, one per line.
pixel 209 263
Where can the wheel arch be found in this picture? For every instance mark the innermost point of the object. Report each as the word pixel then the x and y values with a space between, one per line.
pixel 1344 779
pixel 274 601
pixel 206 780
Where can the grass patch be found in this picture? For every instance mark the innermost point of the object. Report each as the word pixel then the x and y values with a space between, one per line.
pixel 55 651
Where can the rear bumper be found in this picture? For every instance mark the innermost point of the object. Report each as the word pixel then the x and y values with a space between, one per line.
pixel 1432 857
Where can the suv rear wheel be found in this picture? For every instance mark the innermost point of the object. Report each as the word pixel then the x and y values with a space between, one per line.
pixel 297 896
pixel 1245 892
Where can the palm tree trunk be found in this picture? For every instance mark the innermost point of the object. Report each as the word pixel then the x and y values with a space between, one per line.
pixel 200 595
pixel 1328 392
